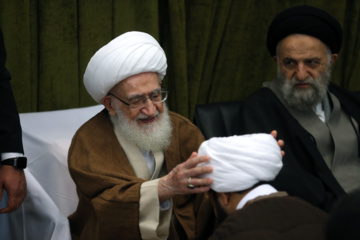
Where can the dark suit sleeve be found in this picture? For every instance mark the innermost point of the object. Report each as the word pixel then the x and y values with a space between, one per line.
pixel 10 129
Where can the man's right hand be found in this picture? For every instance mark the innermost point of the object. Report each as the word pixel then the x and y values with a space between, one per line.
pixel 176 182
pixel 13 181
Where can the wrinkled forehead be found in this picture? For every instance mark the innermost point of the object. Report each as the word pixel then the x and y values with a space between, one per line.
pixel 139 84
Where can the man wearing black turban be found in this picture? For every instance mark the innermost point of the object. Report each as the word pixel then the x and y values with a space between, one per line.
pixel 318 120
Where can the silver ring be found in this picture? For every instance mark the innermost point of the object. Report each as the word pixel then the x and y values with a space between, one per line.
pixel 189 185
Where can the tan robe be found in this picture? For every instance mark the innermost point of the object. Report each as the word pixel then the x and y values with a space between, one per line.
pixel 153 223
pixel 109 191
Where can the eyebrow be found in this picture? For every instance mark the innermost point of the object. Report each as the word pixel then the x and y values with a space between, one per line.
pixel 140 95
pixel 306 59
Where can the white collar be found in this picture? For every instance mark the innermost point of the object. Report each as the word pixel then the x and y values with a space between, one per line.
pixel 319 110
pixel 264 189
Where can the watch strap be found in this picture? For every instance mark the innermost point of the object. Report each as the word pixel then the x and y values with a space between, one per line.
pixel 18 162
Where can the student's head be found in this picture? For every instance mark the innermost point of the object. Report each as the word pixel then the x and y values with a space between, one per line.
pixel 239 163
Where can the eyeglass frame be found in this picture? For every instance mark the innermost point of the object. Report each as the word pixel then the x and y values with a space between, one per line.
pixel 143 98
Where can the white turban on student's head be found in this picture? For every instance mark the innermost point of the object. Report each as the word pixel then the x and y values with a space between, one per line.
pixel 129 54
pixel 240 162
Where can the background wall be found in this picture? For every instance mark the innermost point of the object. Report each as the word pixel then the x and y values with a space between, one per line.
pixel 216 48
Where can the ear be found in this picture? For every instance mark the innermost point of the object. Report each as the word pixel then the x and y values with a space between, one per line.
pixel 224 199
pixel 106 101
pixel 333 58
pixel 275 59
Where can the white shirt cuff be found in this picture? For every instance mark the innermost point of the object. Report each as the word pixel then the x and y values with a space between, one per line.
pixel 8 155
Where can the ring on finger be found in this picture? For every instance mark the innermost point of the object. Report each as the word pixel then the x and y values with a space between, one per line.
pixel 189 185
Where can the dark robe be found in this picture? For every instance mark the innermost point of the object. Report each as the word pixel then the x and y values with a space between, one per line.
pixel 10 129
pixel 305 173
pixel 275 218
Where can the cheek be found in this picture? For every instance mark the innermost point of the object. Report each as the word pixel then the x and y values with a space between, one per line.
pixel 315 73
pixel 160 108
pixel 132 114
pixel 289 74
pixel 284 71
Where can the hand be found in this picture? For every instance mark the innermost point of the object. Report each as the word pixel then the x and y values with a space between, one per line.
pixel 176 182
pixel 280 142
pixel 13 181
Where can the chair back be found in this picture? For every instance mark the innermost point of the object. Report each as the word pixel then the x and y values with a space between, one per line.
pixel 218 119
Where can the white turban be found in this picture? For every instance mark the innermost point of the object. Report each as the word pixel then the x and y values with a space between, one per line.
pixel 129 54
pixel 240 162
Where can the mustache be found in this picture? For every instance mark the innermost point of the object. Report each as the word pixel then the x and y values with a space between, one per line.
pixel 308 80
pixel 311 84
pixel 143 116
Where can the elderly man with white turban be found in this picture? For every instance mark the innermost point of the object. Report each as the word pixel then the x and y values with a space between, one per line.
pixel 247 206
pixel 134 163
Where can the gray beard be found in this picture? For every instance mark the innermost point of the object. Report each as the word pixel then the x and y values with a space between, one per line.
pixel 303 99
pixel 153 137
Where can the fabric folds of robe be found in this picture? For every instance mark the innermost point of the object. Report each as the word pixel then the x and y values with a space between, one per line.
pixel 153 223
pixel 109 191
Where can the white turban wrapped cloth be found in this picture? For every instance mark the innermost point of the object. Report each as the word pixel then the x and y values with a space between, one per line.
pixel 240 162
pixel 129 54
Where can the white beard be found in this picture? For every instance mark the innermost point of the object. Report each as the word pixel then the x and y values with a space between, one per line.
pixel 155 136
pixel 303 99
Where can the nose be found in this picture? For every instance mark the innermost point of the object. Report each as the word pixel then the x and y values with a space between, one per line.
pixel 149 108
pixel 301 72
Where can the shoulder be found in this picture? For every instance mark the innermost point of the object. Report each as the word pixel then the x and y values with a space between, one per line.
pixel 344 94
pixel 265 108
pixel 181 122
pixel 184 131
pixel 263 95
pixel 283 216
pixel 96 127
pixel 287 206
pixel 96 121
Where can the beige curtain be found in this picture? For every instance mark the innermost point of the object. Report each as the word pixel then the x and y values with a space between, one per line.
pixel 216 48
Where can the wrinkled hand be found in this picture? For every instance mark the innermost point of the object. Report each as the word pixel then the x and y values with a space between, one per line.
pixel 280 142
pixel 175 183
pixel 13 181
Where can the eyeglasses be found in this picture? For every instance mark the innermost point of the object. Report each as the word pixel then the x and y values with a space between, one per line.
pixel 137 102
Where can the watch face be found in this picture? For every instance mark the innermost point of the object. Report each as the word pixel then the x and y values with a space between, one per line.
pixel 21 162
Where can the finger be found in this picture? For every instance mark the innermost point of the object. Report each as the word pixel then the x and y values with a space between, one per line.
pixel 194 161
pixel 14 200
pixel 13 203
pixel 200 189
pixel 193 154
pixel 199 170
pixel 281 143
pixel 5 210
pixel 201 182
pixel 274 133
pixel 282 153
pixel 9 209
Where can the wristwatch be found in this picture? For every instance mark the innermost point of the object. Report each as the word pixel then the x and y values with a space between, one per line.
pixel 18 162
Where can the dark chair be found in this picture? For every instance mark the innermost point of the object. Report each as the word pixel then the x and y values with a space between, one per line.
pixel 218 119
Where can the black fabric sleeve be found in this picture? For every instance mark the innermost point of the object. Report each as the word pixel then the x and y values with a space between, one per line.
pixel 10 128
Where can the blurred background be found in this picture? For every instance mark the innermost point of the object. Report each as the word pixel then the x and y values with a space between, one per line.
pixel 216 49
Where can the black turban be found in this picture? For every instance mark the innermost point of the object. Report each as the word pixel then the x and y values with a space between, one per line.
pixel 305 20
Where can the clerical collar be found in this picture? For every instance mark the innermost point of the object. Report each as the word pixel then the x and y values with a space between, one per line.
pixel 264 189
